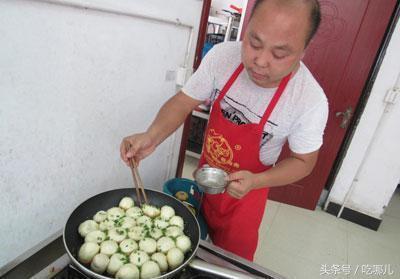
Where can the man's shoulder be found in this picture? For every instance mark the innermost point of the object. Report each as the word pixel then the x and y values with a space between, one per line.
pixel 224 58
pixel 230 49
pixel 310 85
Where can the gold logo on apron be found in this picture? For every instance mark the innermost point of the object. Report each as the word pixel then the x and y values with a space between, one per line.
pixel 218 151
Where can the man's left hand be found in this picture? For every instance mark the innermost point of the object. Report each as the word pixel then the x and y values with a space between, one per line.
pixel 240 183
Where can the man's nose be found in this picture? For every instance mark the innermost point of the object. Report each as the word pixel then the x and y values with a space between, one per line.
pixel 263 59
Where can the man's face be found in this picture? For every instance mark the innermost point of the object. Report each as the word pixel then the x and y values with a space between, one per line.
pixel 274 42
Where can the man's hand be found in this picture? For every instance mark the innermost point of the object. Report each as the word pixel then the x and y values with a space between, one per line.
pixel 137 146
pixel 287 171
pixel 240 183
pixel 171 115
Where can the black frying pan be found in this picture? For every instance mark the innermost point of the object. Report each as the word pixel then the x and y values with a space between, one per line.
pixel 106 200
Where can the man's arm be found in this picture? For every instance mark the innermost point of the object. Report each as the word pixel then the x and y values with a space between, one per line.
pixel 171 115
pixel 289 170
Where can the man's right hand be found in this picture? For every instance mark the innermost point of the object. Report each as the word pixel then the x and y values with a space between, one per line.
pixel 171 115
pixel 137 146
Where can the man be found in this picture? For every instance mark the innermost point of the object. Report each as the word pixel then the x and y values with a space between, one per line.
pixel 253 113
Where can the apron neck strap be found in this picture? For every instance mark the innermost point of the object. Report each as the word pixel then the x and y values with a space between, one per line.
pixel 275 99
pixel 229 83
pixel 272 104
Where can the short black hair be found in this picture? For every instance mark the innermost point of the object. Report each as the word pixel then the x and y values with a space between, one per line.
pixel 315 16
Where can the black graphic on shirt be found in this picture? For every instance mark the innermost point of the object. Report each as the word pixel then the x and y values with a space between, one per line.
pixel 267 136
pixel 236 115
pixel 233 114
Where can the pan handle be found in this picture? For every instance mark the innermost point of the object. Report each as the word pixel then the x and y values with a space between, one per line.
pixel 219 270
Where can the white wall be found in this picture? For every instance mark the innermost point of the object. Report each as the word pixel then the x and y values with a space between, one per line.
pixel 371 169
pixel 73 82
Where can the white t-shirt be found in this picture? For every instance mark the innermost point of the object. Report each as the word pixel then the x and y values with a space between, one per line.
pixel 299 117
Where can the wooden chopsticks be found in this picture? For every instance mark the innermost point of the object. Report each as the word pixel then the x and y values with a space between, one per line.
pixel 136 179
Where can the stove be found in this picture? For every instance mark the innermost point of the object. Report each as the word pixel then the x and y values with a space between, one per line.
pixel 71 272
pixel 209 262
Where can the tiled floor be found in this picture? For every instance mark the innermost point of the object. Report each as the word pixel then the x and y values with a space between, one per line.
pixel 300 243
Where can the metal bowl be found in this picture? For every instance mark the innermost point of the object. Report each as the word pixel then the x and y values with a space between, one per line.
pixel 211 180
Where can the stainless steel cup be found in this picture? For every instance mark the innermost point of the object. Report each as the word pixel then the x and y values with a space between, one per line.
pixel 211 180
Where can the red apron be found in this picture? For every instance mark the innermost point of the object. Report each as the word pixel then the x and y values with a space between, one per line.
pixel 233 223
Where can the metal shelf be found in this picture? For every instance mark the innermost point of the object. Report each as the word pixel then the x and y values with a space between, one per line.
pixel 228 24
pixel 193 154
pixel 200 114
pixel 217 20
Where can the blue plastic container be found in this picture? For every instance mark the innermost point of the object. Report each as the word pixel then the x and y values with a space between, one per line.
pixel 172 186
pixel 206 48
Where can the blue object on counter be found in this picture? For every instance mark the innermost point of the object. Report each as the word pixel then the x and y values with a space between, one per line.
pixel 172 186
pixel 206 48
